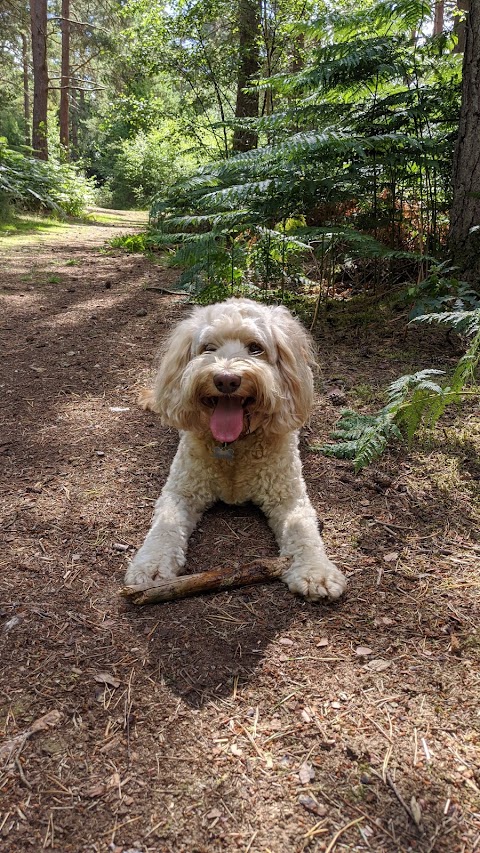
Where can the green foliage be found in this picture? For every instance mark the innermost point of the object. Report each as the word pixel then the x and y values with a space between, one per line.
pixel 132 243
pixel 466 323
pixel 440 294
pixel 30 184
pixel 363 438
pixel 359 151
pixel 11 126
pixel 145 165
pixel 412 399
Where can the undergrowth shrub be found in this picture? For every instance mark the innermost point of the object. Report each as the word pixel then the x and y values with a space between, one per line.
pixel 139 168
pixel 35 185
pixel 358 155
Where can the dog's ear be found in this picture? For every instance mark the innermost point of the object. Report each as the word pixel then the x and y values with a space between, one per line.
pixel 146 399
pixel 165 397
pixel 295 361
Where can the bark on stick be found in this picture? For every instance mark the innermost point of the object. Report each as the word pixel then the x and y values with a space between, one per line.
pixel 215 580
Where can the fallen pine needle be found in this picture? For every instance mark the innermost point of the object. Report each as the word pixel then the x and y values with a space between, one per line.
pixel 410 812
pixel 153 829
pixel 341 831
pixel 118 826
pixel 317 829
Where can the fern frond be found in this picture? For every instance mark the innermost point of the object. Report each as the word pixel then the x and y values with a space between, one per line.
pixel 362 438
pixel 411 399
pixel 465 322
pixel 398 389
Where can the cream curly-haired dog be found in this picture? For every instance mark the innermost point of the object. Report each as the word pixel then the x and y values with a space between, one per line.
pixel 236 381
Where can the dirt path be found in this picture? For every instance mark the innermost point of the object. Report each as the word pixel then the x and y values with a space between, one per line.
pixel 247 721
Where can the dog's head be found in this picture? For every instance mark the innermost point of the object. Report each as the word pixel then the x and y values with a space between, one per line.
pixel 232 367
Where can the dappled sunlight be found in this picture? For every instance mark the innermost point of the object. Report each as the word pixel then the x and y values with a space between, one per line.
pixel 23 302
pixel 14 231
pixel 79 312
pixel 253 678
pixel 303 154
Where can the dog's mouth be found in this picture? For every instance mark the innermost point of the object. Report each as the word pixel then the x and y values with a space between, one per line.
pixel 229 412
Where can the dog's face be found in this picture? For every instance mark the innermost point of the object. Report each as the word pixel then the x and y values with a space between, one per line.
pixel 232 367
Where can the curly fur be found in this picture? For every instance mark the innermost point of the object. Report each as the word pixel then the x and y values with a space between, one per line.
pixel 271 355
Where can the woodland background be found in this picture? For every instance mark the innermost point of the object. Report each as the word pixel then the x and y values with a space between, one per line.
pixel 297 151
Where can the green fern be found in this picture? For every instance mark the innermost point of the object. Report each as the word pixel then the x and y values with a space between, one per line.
pixel 412 399
pixel 466 323
pixel 369 120
pixel 364 438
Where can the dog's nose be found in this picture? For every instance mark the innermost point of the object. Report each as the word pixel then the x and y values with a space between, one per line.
pixel 227 383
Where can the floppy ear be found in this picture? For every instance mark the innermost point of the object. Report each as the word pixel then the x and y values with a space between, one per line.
pixel 146 399
pixel 165 398
pixel 295 361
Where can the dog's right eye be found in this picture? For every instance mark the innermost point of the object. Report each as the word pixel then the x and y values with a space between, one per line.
pixel 209 348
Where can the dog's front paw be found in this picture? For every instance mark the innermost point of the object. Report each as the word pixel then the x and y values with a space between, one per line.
pixel 143 571
pixel 315 581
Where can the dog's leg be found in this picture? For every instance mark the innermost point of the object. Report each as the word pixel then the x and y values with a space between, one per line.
pixel 162 554
pixel 185 496
pixel 294 523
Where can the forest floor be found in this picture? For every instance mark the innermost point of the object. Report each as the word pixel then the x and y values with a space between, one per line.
pixel 247 720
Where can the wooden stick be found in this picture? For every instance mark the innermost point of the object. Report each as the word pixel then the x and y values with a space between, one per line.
pixel 215 580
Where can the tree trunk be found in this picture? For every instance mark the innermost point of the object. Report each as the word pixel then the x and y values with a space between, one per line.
pixel 26 92
pixel 73 121
pixel 38 18
pixel 465 212
pixel 65 78
pixel 248 69
pixel 438 21
pixel 459 25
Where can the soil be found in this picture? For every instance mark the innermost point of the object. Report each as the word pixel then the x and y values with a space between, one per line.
pixel 247 720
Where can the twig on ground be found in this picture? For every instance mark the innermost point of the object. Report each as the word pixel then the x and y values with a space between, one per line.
pixel 23 778
pixel 157 289
pixel 215 580
pixel 391 784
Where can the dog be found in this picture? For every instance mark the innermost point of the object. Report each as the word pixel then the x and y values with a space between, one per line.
pixel 236 380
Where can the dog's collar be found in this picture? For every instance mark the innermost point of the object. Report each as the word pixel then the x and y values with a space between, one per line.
pixel 224 451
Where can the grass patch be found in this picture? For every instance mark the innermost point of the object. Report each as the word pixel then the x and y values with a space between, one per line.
pixel 103 216
pixel 132 243
pixel 18 226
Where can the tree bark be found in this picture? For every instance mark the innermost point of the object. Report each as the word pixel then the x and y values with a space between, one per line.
pixel 439 17
pixel 459 26
pixel 465 212
pixel 65 79
pixel 74 109
pixel 26 91
pixel 215 580
pixel 38 18
pixel 248 69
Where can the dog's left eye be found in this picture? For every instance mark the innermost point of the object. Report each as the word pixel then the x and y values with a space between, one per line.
pixel 209 348
pixel 255 349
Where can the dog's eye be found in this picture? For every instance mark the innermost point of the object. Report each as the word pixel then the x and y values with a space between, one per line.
pixel 255 349
pixel 209 348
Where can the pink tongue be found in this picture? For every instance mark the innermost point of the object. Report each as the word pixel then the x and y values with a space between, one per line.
pixel 226 422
